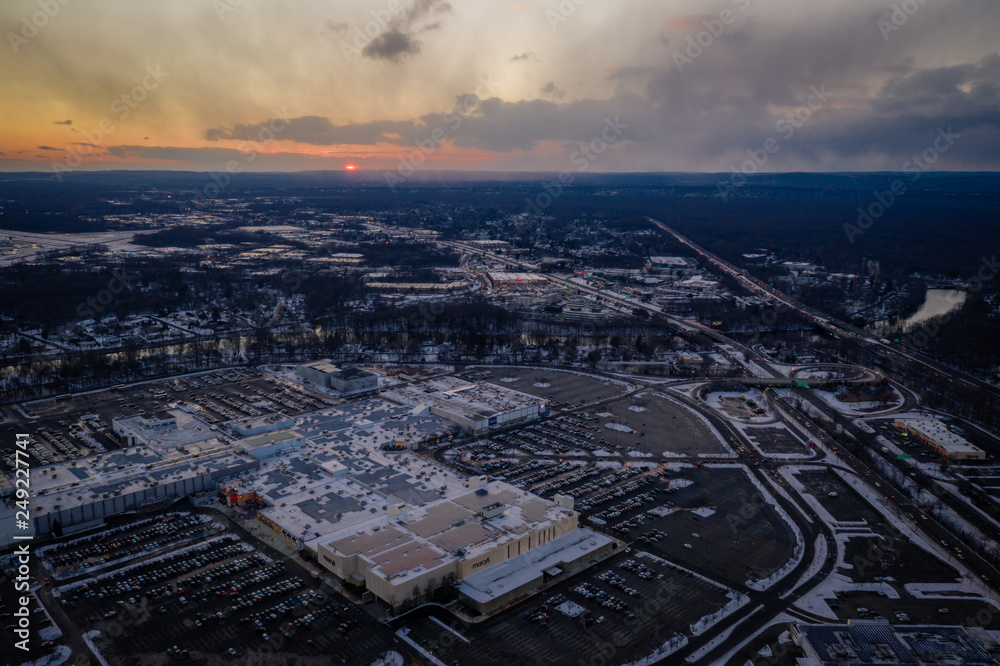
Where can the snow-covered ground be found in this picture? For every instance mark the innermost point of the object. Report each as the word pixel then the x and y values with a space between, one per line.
pixel 736 602
pixel 819 557
pixel 696 656
pixel 570 609
pixel 672 645
pixel 618 427
pixel 88 638
pixel 61 655
pixel 867 408
pixel 782 618
pixel 776 488
pixel 404 633
pixel 716 400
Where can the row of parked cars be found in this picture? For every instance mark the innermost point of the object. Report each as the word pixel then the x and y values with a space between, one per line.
pixel 173 528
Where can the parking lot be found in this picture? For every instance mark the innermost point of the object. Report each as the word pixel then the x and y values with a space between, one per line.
pixel 718 526
pixel 870 605
pixel 179 586
pixel 74 426
pixel 878 559
pixel 653 425
pixel 839 499
pixel 776 440
pixel 564 389
pixel 590 616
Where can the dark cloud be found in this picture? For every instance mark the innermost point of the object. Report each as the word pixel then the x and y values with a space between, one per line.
pixel 47 148
pixel 393 46
pixel 716 116
pixel 890 94
pixel 550 90
pixel 63 122
pixel 393 34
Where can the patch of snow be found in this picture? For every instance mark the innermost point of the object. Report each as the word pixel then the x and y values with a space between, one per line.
pixel 571 609
pixel 618 426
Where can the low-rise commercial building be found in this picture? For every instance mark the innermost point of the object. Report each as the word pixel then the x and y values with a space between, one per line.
pixel 937 435
pixel 346 380
pixel 867 642
pixel 475 407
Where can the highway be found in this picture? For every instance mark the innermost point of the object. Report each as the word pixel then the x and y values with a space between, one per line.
pixel 840 329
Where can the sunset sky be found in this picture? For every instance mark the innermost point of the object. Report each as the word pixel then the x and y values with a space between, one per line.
pixel 690 85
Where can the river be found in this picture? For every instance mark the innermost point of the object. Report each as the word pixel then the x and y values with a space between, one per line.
pixel 937 302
